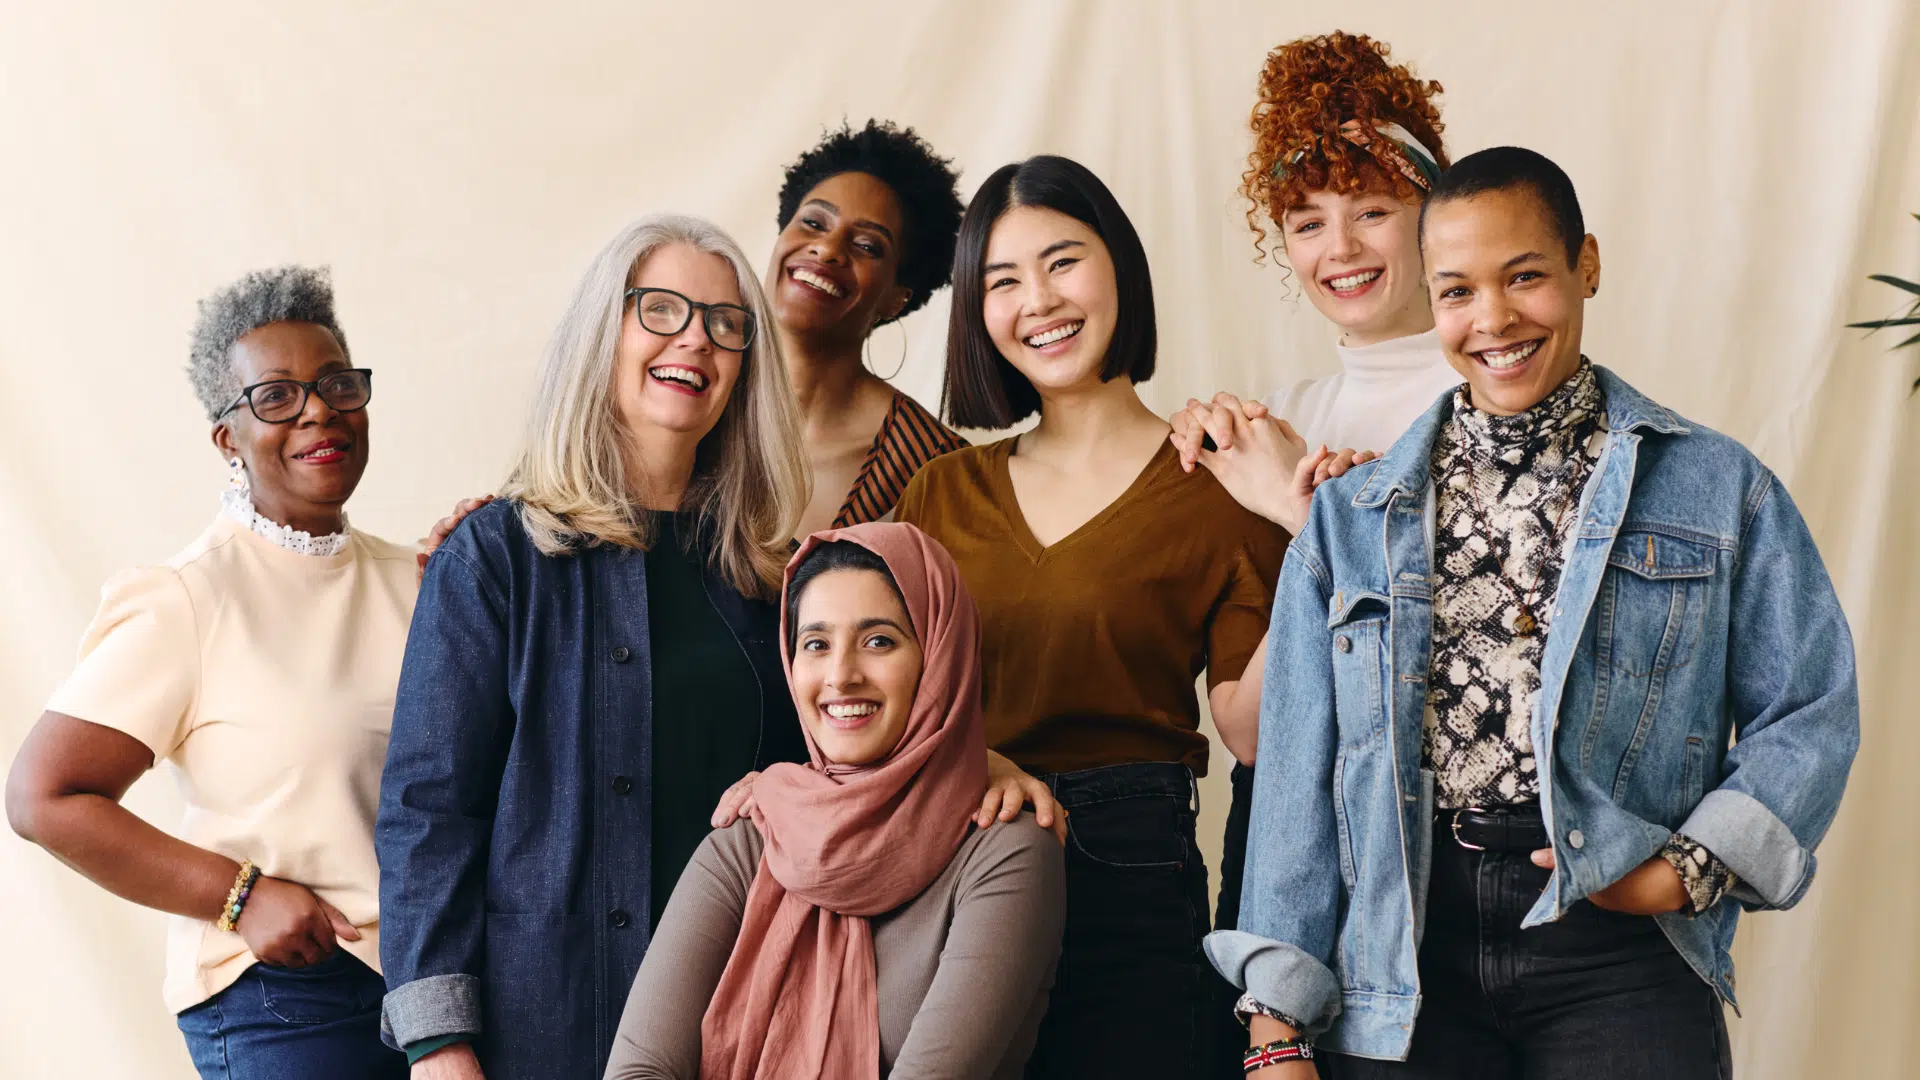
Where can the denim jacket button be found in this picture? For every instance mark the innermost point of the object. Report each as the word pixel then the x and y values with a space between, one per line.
pixel 622 785
pixel 621 654
pixel 1343 643
pixel 619 918
pixel 1576 839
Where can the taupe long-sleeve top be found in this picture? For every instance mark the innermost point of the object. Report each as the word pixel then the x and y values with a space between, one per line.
pixel 964 968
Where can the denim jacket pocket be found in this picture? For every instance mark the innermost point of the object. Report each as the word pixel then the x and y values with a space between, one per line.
pixel 1357 624
pixel 1653 601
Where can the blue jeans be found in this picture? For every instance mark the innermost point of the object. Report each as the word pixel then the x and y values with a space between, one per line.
pixel 1132 992
pixel 320 1021
pixel 1592 994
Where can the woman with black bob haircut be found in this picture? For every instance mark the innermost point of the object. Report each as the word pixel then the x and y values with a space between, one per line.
pixel 867 221
pixel 1100 604
pixel 984 388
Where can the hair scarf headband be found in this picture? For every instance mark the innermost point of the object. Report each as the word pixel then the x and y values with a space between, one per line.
pixel 1390 144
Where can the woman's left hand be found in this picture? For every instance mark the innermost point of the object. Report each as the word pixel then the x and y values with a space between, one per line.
pixel 1009 788
pixel 1652 888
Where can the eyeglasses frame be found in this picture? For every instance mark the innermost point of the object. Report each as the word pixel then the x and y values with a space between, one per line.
pixel 706 310
pixel 308 391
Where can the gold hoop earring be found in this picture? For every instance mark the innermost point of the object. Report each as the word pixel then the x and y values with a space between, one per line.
pixel 866 354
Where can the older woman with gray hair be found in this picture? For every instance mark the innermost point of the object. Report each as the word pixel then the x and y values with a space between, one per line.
pixel 594 659
pixel 260 662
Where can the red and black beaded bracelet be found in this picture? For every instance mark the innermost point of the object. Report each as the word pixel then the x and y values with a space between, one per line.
pixel 1274 1053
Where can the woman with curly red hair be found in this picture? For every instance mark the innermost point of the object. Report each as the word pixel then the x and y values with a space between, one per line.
pixel 1346 146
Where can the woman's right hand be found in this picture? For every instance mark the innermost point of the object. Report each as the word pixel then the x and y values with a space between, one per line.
pixel 1010 788
pixel 286 925
pixel 455 1061
pixel 736 802
pixel 443 529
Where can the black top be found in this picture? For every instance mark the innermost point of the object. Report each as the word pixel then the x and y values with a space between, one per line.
pixel 706 705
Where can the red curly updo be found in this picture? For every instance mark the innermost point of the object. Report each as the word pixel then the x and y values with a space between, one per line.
pixel 1308 89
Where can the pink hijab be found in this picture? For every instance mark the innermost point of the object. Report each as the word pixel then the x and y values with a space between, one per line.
pixel 798 999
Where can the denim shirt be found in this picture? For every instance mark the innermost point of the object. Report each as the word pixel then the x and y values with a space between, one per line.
pixel 1698 678
pixel 514 826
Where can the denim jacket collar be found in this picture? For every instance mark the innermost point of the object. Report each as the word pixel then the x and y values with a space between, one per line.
pixel 1405 468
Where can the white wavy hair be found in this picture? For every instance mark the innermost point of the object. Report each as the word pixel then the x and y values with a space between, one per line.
pixel 750 479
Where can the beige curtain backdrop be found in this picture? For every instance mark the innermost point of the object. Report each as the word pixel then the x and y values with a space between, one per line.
pixel 1745 166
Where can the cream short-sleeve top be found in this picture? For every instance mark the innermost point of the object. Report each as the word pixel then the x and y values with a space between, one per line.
pixel 265 679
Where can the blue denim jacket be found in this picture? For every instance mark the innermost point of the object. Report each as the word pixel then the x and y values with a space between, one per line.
pixel 514 827
pixel 1693 610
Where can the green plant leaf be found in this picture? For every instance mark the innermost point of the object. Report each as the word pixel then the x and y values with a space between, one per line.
pixel 1898 283
pixel 1915 338
pixel 1882 324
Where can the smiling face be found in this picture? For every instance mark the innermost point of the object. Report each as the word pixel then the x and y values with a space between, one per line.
pixel 835 266
pixel 1507 305
pixel 680 383
pixel 856 665
pixel 1050 300
pixel 301 472
pixel 1358 258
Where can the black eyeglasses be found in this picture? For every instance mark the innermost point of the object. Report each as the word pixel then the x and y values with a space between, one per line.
pixel 279 401
pixel 665 312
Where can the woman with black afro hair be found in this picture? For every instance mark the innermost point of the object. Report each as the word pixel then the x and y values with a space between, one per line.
pixel 867 224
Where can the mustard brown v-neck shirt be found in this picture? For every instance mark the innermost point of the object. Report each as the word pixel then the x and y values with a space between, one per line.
pixel 1091 646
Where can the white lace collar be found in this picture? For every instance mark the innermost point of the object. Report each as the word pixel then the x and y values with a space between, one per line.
pixel 237 506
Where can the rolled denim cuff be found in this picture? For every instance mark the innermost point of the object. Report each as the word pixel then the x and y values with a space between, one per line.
pixel 429 1008
pixel 1772 869
pixel 1279 975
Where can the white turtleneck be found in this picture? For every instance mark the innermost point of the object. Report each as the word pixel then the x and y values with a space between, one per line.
pixel 1380 391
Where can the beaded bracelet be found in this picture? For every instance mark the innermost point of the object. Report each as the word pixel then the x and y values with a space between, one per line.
pixel 237 896
pixel 1274 1053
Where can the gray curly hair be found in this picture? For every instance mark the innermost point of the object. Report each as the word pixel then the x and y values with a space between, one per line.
pixel 281 294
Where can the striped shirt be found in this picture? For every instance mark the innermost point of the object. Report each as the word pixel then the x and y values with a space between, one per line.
pixel 909 438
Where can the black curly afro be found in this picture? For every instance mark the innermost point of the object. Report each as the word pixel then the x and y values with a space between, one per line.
pixel 924 182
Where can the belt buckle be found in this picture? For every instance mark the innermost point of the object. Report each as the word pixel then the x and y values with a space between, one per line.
pixel 1456 826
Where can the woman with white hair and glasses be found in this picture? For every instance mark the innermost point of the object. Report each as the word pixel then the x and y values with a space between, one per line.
pixel 595 658
pixel 260 662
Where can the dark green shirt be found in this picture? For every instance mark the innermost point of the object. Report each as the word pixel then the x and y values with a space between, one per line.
pixel 706 704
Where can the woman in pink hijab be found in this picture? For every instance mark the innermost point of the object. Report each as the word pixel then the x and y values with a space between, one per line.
pixel 857 925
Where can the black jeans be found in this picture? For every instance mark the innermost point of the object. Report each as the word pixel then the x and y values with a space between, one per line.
pixel 1595 994
pixel 1130 999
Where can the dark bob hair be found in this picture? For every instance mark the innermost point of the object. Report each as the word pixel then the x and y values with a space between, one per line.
pixel 1514 168
pixel 828 557
pixel 983 389
pixel 924 182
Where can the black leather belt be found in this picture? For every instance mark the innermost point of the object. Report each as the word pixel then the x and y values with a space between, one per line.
pixel 1502 828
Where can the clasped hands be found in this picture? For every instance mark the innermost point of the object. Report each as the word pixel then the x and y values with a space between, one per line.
pixel 1261 461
